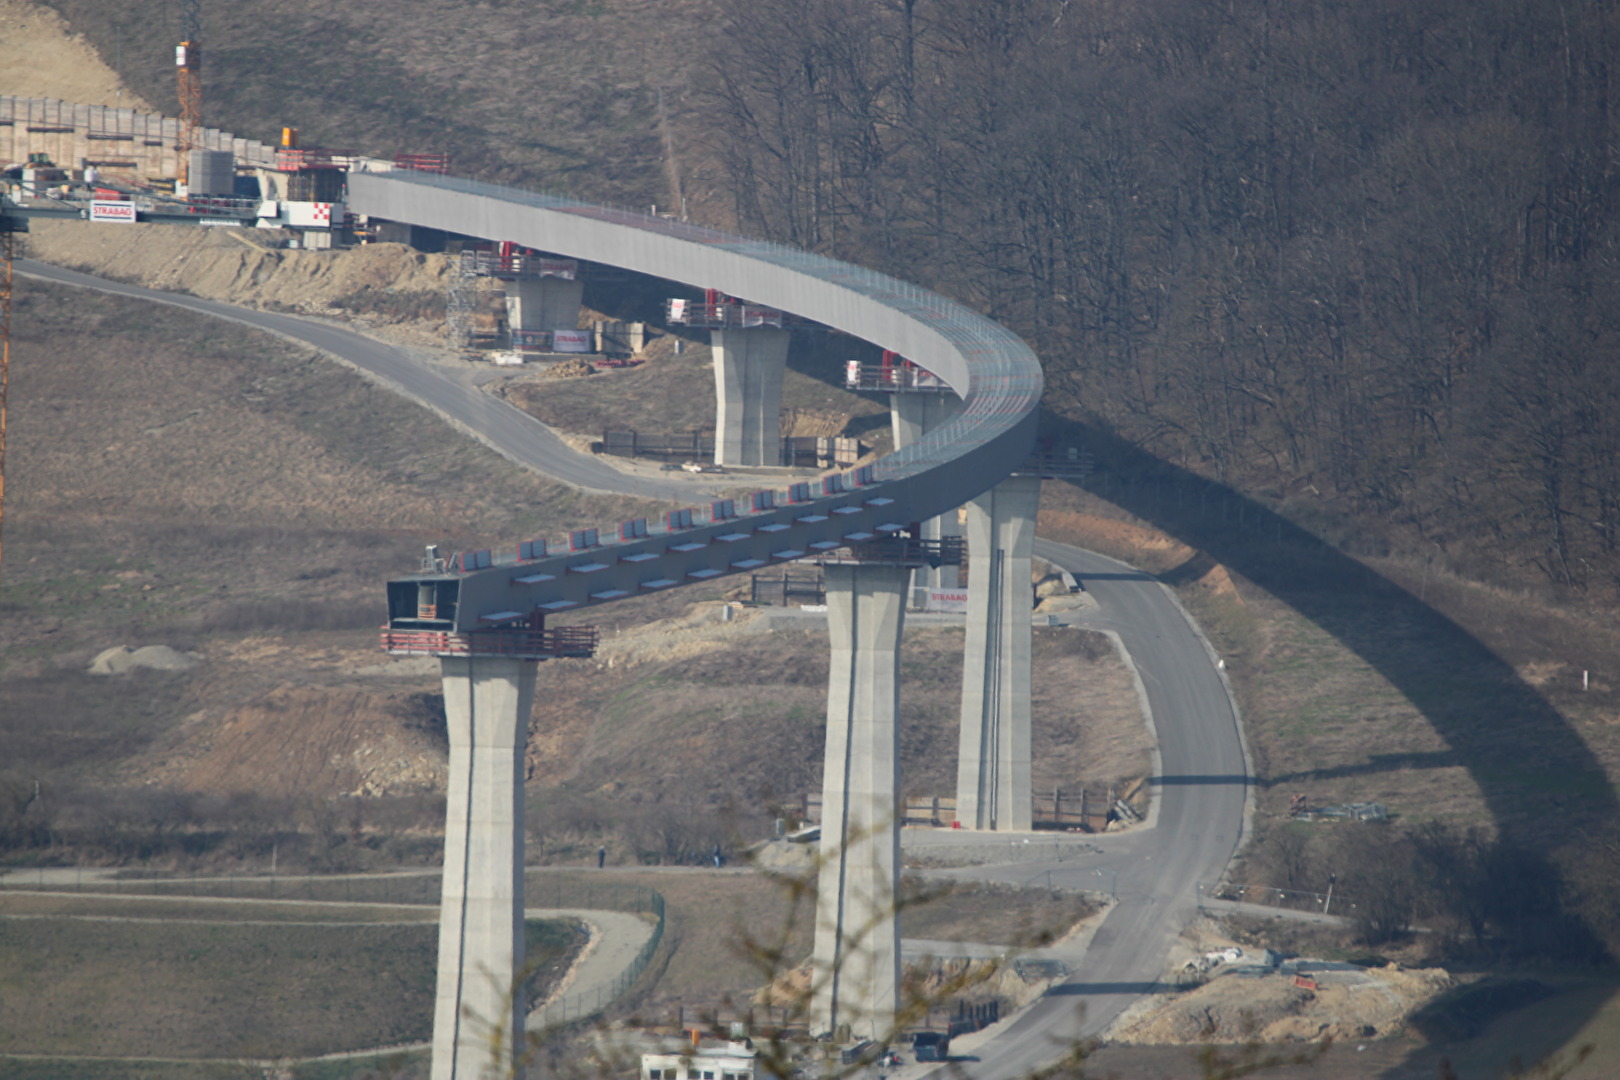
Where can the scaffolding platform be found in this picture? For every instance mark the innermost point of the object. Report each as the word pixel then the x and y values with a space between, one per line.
pixel 513 266
pixel 519 643
pixel 893 379
pixel 727 314
pixel 899 550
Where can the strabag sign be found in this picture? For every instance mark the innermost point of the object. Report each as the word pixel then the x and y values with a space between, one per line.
pixel 575 341
pixel 568 269
pixel 760 316
pixel 112 210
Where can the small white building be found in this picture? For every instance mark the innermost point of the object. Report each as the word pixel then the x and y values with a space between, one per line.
pixel 707 1061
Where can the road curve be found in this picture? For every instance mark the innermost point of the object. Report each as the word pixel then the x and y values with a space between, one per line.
pixel 1201 788
pixel 497 423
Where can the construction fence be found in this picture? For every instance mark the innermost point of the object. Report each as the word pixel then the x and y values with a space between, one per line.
pixel 1078 809
pixel 808 452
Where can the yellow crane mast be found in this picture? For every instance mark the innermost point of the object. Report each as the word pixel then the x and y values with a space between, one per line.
pixel 188 59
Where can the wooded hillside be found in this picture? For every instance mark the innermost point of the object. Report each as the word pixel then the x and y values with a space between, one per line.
pixel 1358 252
pixel 1353 259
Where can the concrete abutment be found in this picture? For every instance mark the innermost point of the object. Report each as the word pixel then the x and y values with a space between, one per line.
pixel 546 303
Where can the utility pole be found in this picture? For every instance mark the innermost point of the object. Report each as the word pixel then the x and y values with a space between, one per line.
pixel 188 60
pixel 6 253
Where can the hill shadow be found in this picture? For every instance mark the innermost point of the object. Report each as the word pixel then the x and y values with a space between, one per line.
pixel 1532 767
pixel 1527 759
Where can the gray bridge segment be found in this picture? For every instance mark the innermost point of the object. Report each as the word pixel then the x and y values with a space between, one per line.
pixel 995 374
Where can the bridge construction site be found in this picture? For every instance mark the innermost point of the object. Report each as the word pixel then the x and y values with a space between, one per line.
pixel 963 394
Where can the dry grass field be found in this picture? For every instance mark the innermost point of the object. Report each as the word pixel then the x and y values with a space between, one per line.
pixel 730 932
pixel 204 989
pixel 188 977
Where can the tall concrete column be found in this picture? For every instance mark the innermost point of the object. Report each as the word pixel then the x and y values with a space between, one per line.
pixel 993 789
pixel 911 416
pixel 478 1012
pixel 748 368
pixel 857 955
pixel 548 303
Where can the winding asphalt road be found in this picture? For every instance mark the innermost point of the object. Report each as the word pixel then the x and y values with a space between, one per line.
pixel 1201 778
pixel 1157 872
pixel 496 423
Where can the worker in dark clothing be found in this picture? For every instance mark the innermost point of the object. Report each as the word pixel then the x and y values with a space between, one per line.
pixel 601 856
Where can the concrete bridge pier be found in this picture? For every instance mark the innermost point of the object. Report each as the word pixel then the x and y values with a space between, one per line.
pixel 913 415
pixel 748 368
pixel 857 952
pixel 993 787
pixel 478 1010
pixel 545 303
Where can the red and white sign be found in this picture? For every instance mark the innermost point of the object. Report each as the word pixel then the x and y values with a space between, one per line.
pixel 313 215
pixel 760 316
pixel 947 600
pixel 571 341
pixel 109 210
pixel 559 268
pixel 852 373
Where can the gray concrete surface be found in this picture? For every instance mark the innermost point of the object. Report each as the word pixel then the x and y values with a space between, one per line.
pixel 857 942
pixel 993 787
pixel 996 375
pixel 476 1012
pixel 912 416
pixel 548 303
pixel 748 367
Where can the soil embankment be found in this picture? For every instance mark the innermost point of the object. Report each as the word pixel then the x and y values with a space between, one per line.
pixel 40 57
pixel 378 285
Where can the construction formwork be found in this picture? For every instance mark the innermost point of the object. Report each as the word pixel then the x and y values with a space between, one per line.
pixel 120 143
